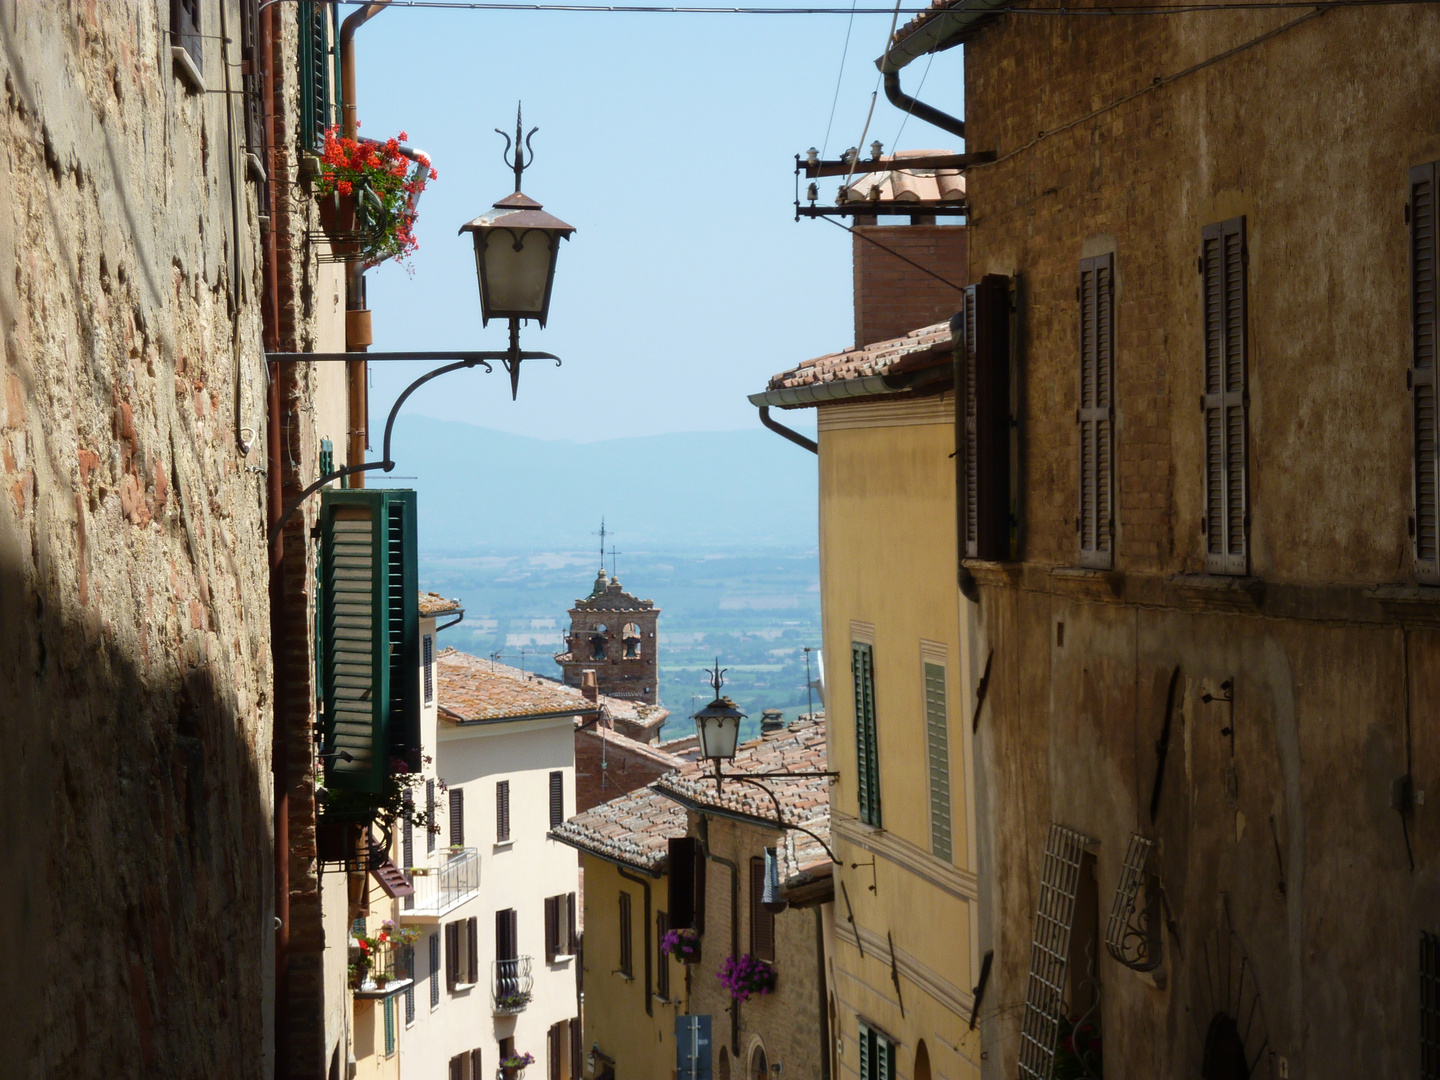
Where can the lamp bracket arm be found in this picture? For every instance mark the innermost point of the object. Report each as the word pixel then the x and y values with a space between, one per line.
pixel 780 822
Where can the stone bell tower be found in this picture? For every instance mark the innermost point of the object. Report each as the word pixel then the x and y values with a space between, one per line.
pixel 613 634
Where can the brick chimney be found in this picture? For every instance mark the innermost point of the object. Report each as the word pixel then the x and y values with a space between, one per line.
pixel 891 296
pixel 589 686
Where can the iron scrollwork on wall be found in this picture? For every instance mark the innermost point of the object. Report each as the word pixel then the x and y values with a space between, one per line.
pixel 1133 933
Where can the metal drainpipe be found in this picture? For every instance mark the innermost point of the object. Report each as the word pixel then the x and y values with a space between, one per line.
pixel 787 433
pixel 355 370
pixel 824 993
pixel 649 1004
pixel 734 869
pixel 928 113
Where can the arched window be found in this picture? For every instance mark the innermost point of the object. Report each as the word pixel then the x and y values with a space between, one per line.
pixel 723 1072
pixel 759 1067
pixel 597 642
pixel 630 635
pixel 922 1061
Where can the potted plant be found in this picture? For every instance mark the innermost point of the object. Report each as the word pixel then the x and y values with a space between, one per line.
pixel 368 191
pixel 683 945
pixel 745 976
pixel 513 1067
pixel 514 999
pixel 1077 1049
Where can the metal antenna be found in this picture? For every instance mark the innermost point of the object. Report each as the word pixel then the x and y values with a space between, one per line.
pixel 601 534
pixel 809 685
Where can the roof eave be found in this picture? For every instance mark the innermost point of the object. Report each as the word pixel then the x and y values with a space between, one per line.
pixel 942 31
pixel 869 386
pixel 657 871
pixel 459 721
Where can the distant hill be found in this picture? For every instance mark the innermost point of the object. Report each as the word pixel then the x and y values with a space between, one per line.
pixel 481 489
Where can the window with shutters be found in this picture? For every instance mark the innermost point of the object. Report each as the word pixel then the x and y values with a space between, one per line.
pixel 389 1026
pixel 762 922
pixel 410 990
pixel 507 934
pixel 502 812
pixel 662 979
pixel 1095 516
pixel 557 798
pixel 557 1046
pixel 867 748
pixel 560 943
pixel 457 1067
pixel 434 970
pixel 430 816
pixel 472 950
pixel 407 843
pixel 370 641
pixel 981 332
pixel 319 71
pixel 187 44
pixel 937 745
pixel 427 663
pixel 457 817
pixel 627 959
pixel 1424 333
pixel 452 956
pixel 877 1054
pixel 685 883
pixel 1045 989
pixel 1225 403
pixel 475 1073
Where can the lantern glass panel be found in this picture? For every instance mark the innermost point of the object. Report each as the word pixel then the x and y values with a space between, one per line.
pixel 718 735
pixel 516 280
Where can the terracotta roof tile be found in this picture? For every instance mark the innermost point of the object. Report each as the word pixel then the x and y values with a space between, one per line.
pixel 936 7
pixel 432 603
pixel 925 347
pixel 902 185
pixel 633 828
pixel 473 688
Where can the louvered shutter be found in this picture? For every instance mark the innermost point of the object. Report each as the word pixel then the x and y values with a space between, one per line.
pixel 427 664
pixel 506 934
pixel 662 972
pixel 866 1038
pixel 315 32
pixel 683 852
pixel 475 1072
pixel 472 949
pixel 557 798
pixel 407 833
pixel 572 937
pixel 575 1048
pixel 626 952
pixel 867 756
pixel 452 955
pixel 370 642
pixel 185 30
pixel 429 816
pixel 762 922
pixel 502 811
pixel 457 1067
pixel 1424 300
pixel 937 738
pixel 981 333
pixel 434 970
pixel 457 817
pixel 1095 520
pixel 1226 400
pixel 552 928
pixel 389 1026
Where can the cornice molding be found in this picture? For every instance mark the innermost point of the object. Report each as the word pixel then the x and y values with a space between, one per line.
pixel 939 988
pixel 961 884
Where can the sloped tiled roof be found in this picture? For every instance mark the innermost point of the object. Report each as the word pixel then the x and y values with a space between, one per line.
pixel 474 688
pixel 649 751
pixel 432 603
pixel 902 185
pixel 926 347
pixel 633 828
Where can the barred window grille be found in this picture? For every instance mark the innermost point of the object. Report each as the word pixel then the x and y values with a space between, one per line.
pixel 1050 951
pixel 1133 937
pixel 1429 1006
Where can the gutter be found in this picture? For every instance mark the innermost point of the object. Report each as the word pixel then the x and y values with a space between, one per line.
pixel 563 714
pixel 613 860
pixel 649 1000
pixel 918 109
pixel 867 386
pixel 942 31
pixel 787 432
pixel 734 869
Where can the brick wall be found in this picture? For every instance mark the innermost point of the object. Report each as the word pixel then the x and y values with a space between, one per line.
pixel 626 768
pixel 891 296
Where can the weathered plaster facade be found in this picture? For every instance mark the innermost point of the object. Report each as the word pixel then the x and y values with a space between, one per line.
pixel 136 660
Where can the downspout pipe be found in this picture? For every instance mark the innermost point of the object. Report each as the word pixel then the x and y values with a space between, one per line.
pixel 787 433
pixel 734 869
pixel 928 113
pixel 649 1001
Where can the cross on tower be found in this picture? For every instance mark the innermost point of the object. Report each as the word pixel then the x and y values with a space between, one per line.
pixel 613 553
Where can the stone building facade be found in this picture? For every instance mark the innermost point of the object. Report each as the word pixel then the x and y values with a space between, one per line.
pixel 613 633
pixel 1212 649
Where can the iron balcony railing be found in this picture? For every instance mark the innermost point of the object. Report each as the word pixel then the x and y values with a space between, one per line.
pixel 511 985
pixel 454 879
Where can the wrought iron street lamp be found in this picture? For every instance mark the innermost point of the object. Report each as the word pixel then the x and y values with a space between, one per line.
pixel 718 724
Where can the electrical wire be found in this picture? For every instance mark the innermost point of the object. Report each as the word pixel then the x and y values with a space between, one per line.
pixel 924 270
pixel 895 146
pixel 845 52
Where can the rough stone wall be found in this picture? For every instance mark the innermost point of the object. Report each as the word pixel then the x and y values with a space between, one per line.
pixel 892 297
pixel 1275 820
pixel 135 671
pixel 787 1022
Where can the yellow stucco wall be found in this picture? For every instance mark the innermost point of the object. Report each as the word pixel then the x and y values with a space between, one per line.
pixel 888 576
pixel 615 1018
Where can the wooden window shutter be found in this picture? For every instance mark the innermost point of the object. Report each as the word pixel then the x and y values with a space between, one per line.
pixel 684 899
pixel 662 973
pixel 434 970
pixel 389 1026
pixel 452 955
pixel 557 798
pixel 982 419
pixel 576 1056
pixel 937 738
pixel 429 816
pixel 626 952
pixel 1424 332
pixel 507 936
pixel 866 1039
pixel 572 939
pixel 867 750
pixel 369 617
pixel 554 1041
pixel 502 811
pixel 762 922
pixel 427 664
pixel 1095 520
pixel 1226 521
pixel 552 928
pixel 475 1071
pixel 472 950
pixel 185 30
pixel 457 817
pixel 407 834
pixel 316 93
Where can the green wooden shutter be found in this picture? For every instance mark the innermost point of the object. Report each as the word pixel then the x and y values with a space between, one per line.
pixel 867 754
pixel 866 1040
pixel 1095 520
pixel 389 1026
pixel 1424 311
pixel 315 72
pixel 937 739
pixel 1226 520
pixel 369 635
pixel 885 1059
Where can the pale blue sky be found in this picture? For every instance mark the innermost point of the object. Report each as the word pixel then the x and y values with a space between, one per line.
pixel 668 141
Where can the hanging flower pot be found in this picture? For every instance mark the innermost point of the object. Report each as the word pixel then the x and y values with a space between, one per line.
pixel 745 976
pixel 683 945
pixel 338 219
pixel 382 184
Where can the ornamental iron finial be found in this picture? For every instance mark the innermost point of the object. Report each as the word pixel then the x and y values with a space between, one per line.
pixel 519 162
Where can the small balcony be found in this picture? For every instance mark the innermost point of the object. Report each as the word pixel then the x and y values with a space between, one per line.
pixel 510 985
pixel 383 973
pixel 444 886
